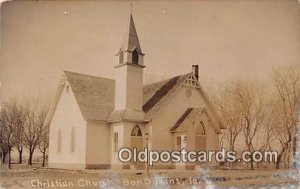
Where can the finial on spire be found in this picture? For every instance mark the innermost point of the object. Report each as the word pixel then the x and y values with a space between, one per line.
pixel 131 8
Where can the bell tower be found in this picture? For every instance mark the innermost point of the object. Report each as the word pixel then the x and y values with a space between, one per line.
pixel 129 73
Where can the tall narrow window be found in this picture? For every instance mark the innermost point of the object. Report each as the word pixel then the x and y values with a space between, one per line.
pixel 116 142
pixel 200 137
pixel 178 142
pixel 121 57
pixel 72 147
pixel 135 57
pixel 136 139
pixel 59 140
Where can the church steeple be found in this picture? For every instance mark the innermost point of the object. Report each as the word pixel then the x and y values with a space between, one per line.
pixel 131 51
pixel 129 74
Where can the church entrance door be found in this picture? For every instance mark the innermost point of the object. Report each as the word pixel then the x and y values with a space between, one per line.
pixel 136 142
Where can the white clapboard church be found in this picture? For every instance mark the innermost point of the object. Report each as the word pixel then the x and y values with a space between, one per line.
pixel 92 117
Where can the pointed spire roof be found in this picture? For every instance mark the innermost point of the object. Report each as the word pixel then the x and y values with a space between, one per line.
pixel 131 41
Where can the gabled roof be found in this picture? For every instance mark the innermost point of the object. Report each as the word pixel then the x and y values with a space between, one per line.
pixel 95 97
pixel 188 118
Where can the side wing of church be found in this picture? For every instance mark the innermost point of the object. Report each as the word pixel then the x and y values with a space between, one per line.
pixel 92 118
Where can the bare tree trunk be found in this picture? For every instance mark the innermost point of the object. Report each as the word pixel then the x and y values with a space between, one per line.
pixel 4 153
pixel 20 150
pixel 288 157
pixel 284 159
pixel 251 165
pixel 277 165
pixel 44 157
pixel 251 162
pixel 279 158
pixel 31 150
pixel 9 158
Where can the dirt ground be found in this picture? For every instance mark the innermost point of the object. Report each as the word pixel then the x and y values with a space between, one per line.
pixel 22 176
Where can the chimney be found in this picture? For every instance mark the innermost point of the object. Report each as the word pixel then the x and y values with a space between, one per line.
pixel 196 71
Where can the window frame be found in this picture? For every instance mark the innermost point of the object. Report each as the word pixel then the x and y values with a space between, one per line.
pixel 136 131
pixel 116 141
pixel 73 135
pixel 200 136
pixel 135 57
pixel 59 141
pixel 121 57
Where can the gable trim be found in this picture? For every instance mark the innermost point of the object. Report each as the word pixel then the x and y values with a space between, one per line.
pixel 54 104
pixel 218 122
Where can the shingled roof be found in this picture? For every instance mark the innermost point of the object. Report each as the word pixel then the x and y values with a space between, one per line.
pixel 163 89
pixel 95 95
pixel 95 98
pixel 156 94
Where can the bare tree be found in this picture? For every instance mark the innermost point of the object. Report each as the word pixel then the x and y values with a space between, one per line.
pixel 11 119
pixel 44 137
pixel 35 112
pixel 231 115
pixel 286 103
pixel 250 106
pixel 3 146
pixel 19 133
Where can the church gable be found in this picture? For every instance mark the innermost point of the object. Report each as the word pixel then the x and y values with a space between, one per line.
pixel 67 130
pixel 189 117
pixel 158 94
pixel 191 81
pixel 66 103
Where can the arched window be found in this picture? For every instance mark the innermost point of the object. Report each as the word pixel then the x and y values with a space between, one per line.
pixel 200 137
pixel 200 130
pixel 135 57
pixel 59 140
pixel 72 147
pixel 121 57
pixel 136 139
pixel 136 131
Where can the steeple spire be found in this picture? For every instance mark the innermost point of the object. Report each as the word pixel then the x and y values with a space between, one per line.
pixel 130 50
pixel 132 37
pixel 130 41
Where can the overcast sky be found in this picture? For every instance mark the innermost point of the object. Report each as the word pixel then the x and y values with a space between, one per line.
pixel 229 39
